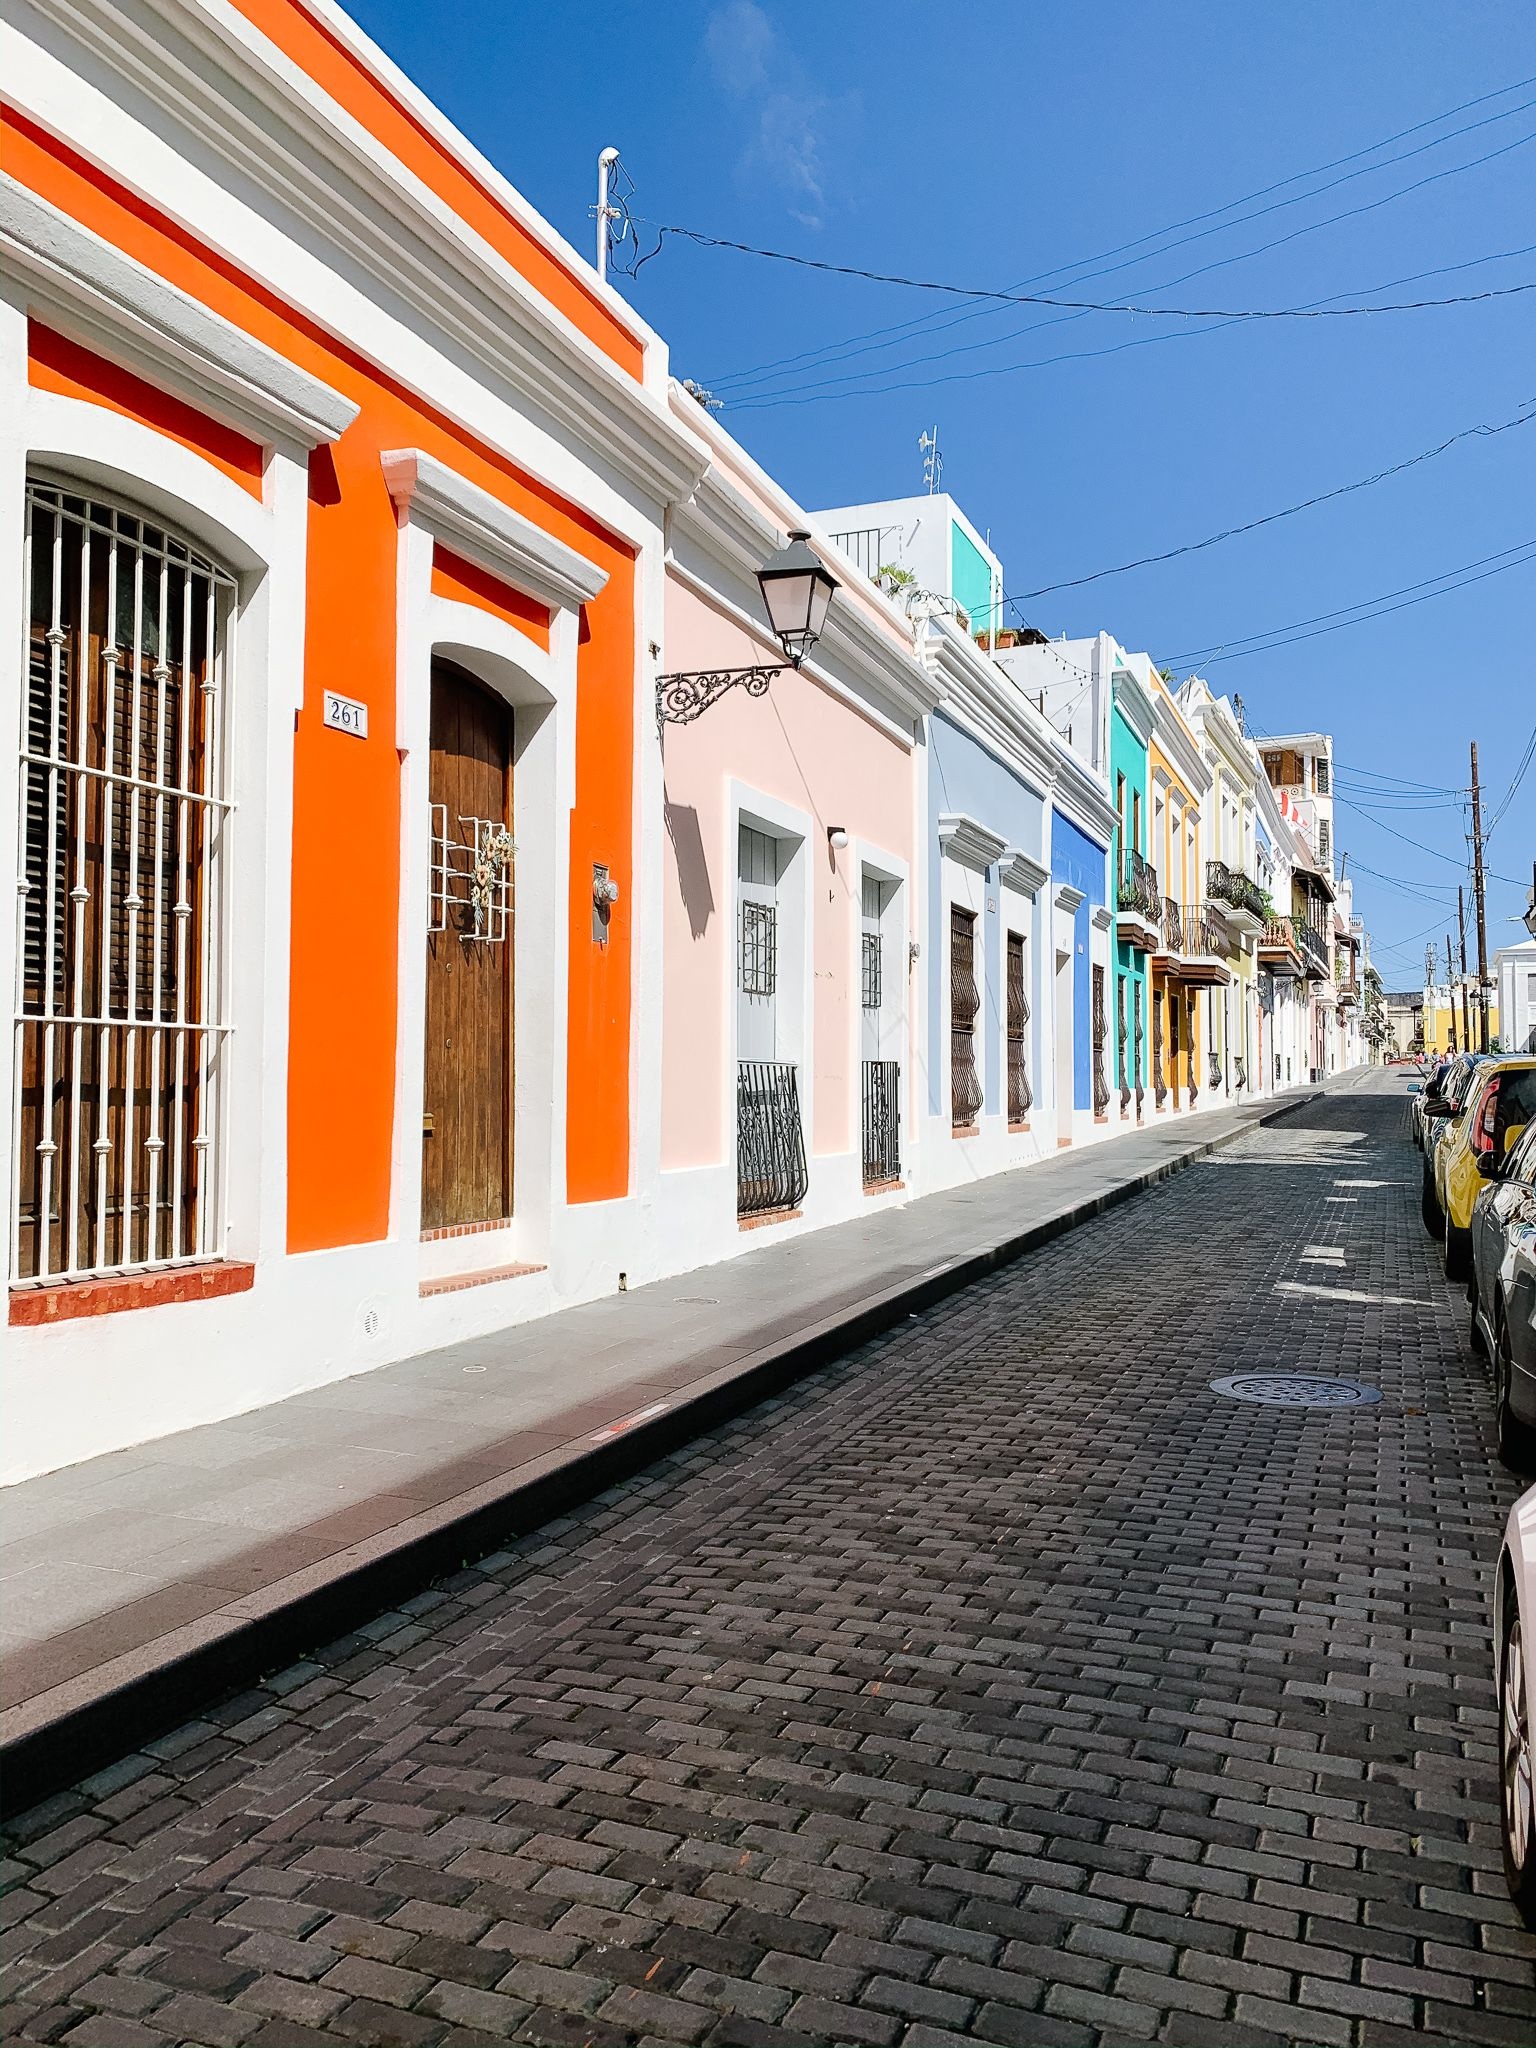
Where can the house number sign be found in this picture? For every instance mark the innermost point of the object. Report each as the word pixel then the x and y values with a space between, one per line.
pixel 345 714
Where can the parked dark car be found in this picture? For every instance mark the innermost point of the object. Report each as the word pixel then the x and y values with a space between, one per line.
pixel 1503 1291
pixel 1432 1072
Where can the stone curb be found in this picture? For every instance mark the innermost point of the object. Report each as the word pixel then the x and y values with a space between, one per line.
pixel 69 1731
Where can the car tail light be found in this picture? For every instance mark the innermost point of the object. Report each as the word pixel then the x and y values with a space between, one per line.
pixel 1483 1125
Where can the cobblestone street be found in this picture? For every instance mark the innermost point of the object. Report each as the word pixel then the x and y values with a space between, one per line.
pixel 1004 1683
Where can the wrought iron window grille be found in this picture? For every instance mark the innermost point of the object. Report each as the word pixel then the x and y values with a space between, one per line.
pixel 1100 1034
pixel 770 1145
pixel 872 975
pixel 759 949
pixel 964 1002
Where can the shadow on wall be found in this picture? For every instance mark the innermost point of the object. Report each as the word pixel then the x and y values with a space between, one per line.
pixel 692 868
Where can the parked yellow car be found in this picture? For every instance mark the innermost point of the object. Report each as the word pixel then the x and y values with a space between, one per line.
pixel 1502 1102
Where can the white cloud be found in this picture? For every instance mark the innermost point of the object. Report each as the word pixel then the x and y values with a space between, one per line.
pixel 752 65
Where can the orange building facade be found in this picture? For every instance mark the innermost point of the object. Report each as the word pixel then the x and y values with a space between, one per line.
pixel 333 491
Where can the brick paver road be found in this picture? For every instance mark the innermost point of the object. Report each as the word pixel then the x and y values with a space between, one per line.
pixel 1004 1684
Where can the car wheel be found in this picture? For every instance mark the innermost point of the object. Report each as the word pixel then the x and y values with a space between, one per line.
pixel 1458 1252
pixel 1516 1440
pixel 1475 1341
pixel 1429 1204
pixel 1517 1810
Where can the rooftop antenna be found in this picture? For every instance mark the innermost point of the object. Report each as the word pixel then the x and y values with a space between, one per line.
pixel 933 461
pixel 604 212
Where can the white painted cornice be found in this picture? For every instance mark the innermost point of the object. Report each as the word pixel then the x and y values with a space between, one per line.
pixel 1079 795
pixel 210 74
pixel 969 842
pixel 1069 899
pixel 984 699
pixel 1022 871
pixel 81 284
pixel 1103 917
pixel 1176 741
pixel 1134 702
pixel 475 524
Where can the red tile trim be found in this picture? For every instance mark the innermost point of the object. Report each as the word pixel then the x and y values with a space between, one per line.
pixel 1022 1125
pixel 882 1187
pixel 33 1306
pixel 466 1229
pixel 964 1130
pixel 455 1283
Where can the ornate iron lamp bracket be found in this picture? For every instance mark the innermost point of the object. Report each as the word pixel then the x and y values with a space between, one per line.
pixel 682 697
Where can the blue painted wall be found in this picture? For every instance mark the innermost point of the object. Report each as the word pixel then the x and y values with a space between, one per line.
pixel 964 776
pixel 1080 862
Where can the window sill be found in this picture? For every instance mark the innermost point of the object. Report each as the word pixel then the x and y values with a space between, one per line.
pixel 1019 1125
pixel 883 1187
pixel 768 1216
pixel 965 1130
pixel 33 1307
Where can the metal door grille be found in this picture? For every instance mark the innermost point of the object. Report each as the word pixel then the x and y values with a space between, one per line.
pixel 1120 1044
pixel 471 878
pixel 882 1121
pixel 120 1024
pixel 1100 1034
pixel 1159 1085
pixel 1137 1045
pixel 964 1002
pixel 759 949
pixel 1020 1094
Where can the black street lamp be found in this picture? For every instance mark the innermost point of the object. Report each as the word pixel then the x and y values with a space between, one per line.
pixel 797 588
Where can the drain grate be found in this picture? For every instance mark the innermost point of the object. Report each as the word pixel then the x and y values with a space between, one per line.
pixel 1296 1390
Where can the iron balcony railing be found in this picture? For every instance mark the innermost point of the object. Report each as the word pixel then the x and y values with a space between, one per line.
pixel 882 1121
pixel 1313 944
pixel 1237 890
pixel 1205 930
pixel 770 1146
pixel 1173 926
pixel 1139 888
pixel 1280 933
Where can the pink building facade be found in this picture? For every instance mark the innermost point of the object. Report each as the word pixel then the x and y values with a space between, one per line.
pixel 789 885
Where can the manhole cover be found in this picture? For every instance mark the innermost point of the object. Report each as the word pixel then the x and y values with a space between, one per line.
pixel 1296 1390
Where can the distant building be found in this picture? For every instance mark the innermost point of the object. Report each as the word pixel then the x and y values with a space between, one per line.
pixel 1514 971
pixel 928 540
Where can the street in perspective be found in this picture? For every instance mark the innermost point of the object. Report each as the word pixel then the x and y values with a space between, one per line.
pixel 768 1164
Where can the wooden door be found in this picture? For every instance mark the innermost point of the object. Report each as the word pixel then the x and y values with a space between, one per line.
pixel 466 1147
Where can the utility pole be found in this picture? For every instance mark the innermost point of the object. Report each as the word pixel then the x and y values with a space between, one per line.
pixel 1477 896
pixel 1429 996
pixel 1450 986
pixel 1461 925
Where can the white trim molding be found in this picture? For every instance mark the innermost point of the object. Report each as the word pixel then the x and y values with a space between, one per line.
pixel 1069 899
pixel 1103 917
pixel 1021 871
pixel 490 533
pixel 969 842
pixel 99 296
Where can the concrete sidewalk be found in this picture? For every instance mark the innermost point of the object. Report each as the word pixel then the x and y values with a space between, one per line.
pixel 142 1584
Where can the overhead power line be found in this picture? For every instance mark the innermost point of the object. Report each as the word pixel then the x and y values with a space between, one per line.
pixel 1286 512
pixel 1281 636
pixel 965 291
pixel 1509 794
pixel 840 350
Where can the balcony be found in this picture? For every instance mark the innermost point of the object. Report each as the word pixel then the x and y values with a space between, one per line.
pixel 1196 943
pixel 1242 900
pixel 1139 903
pixel 1280 948
pixel 1314 950
pixel 770 1146
pixel 882 1122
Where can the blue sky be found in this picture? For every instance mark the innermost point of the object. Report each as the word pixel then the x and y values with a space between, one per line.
pixel 992 144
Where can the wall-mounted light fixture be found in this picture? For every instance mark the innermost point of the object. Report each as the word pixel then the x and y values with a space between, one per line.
pixel 797 588
pixel 605 893
pixel 837 837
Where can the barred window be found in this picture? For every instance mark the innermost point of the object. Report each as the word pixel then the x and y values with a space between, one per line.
pixel 120 1032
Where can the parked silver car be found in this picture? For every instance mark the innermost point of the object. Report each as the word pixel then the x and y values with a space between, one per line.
pixel 1503 1292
